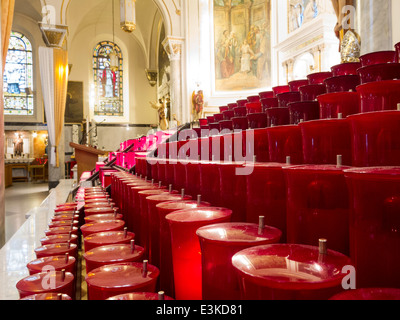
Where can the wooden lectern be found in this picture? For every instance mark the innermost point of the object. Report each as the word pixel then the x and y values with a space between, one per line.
pixel 86 157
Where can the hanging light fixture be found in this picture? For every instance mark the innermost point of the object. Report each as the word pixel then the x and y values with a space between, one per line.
pixel 113 56
pixel 128 15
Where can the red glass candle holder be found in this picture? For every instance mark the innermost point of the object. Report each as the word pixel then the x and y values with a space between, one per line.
pixel 278 117
pixel 121 278
pixel 319 77
pixel 61 230
pixel 107 238
pixel 222 109
pixel 166 269
pixel 232 188
pixel 56 282
pixel 186 251
pixel 102 226
pixel 280 89
pixel 342 83
pixel 303 111
pixel 146 296
pixel 284 142
pixel 228 115
pixel 240 111
pixel 324 140
pixel 317 206
pixel 296 84
pixel 48 297
pixel 285 98
pixel 218 117
pixel 266 95
pixel 253 98
pixel 210 119
pixel 266 195
pixel 253 107
pixel 59 238
pixel 219 243
pixel 112 254
pixel 58 249
pixel 258 145
pixel 203 122
pixel 59 263
pixel 375 139
pixel 65 208
pixel 378 57
pixel 344 69
pixel 269 103
pixel 63 223
pixel 99 210
pixel 153 223
pixel 240 123
pixel 370 294
pixel 226 125
pixel 242 102
pixel 103 217
pixel 312 92
pixel 379 72
pixel 257 120
pixel 210 182
pixel 232 106
pixel 289 272
pixel 334 104
pixel 375 225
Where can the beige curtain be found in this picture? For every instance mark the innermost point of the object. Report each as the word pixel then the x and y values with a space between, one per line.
pixel 7 14
pixel 60 93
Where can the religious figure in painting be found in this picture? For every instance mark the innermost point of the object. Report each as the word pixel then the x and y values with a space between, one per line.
pixel 198 103
pixel 247 54
pixel 108 81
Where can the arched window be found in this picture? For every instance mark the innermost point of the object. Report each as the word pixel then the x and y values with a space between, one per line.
pixel 108 80
pixel 18 77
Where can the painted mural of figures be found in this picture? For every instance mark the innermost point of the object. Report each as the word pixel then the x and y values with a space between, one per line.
pixel 263 54
pixel 247 55
pixel 220 53
pixel 227 63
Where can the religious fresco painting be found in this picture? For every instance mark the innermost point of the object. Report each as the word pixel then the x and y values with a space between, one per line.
pixel 108 81
pixel 242 43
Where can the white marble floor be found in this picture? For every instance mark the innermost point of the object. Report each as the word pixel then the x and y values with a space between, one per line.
pixel 20 198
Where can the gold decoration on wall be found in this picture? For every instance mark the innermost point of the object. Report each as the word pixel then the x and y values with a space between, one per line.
pixel 152 76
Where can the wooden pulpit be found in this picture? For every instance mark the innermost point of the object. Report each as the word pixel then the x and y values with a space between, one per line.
pixel 86 157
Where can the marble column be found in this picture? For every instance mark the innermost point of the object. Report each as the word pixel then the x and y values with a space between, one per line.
pixel 173 47
pixel 374 25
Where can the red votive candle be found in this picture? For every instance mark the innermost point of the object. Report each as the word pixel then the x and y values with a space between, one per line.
pixel 296 84
pixel 232 188
pixel 219 243
pixel 59 238
pixel 240 123
pixel 102 217
pixel 99 210
pixel 318 77
pixel 210 182
pixel 379 96
pixel 146 296
pixel 166 269
pixel 257 120
pixel 48 297
pixel 278 117
pixel 289 272
pixel 324 140
pixel 253 107
pixel 369 294
pixel 334 104
pixel 61 230
pixel 186 251
pixel 107 238
pixel 317 206
pixel 59 263
pixel 344 69
pixel 57 249
pixel 285 98
pixel 266 95
pixel 121 278
pixel 312 92
pixel 240 111
pixel 266 195
pixel 102 226
pixel 342 83
pixel 303 111
pixel 285 141
pixel 378 57
pixel 47 282
pixel 280 89
pixel 112 254
pixel 153 222
pixel 376 140
pixel 269 103
pixel 379 72
pixel 375 225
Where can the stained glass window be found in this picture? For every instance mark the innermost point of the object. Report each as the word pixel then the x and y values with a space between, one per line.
pixel 18 77
pixel 108 81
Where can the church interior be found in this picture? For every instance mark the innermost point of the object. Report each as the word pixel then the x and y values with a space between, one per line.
pixel 201 150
